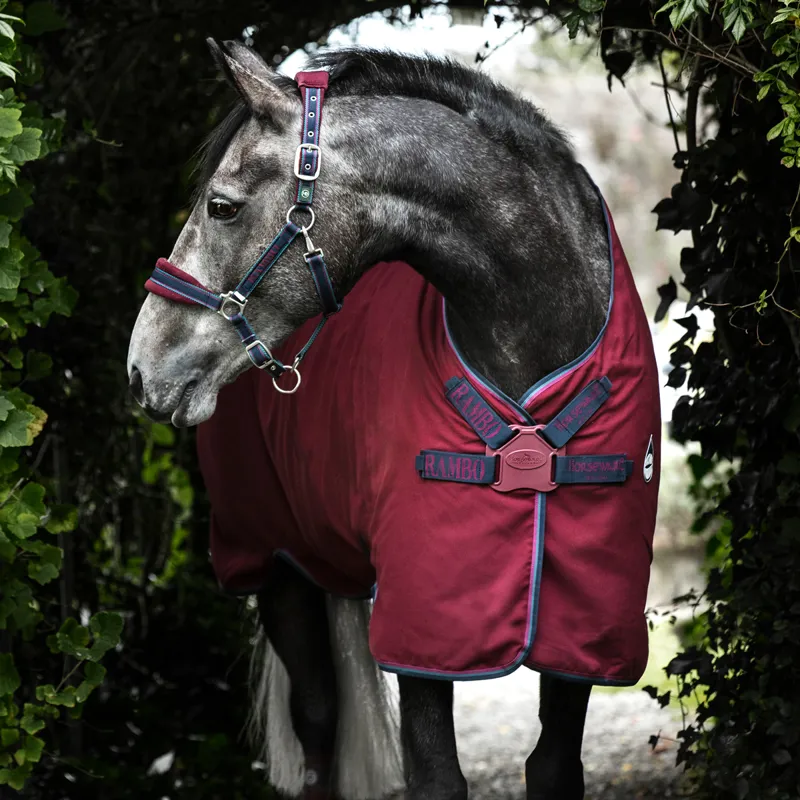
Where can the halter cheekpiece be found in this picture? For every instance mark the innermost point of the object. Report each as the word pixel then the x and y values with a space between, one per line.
pixel 173 283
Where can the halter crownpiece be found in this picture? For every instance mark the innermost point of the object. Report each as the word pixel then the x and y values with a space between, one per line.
pixel 174 284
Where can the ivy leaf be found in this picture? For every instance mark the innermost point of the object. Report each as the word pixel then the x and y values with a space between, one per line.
pixel 31 751
pixel 8 71
pixel 9 677
pixel 42 573
pixel 5 406
pixel 10 267
pixel 26 146
pixel 63 518
pixel 106 628
pixel 31 499
pixel 682 12
pixel 72 638
pixel 776 130
pixel 39 419
pixel 10 125
pixel 94 674
pixel 48 694
pixel 14 202
pixel 30 723
pixel 5 232
pixel 15 778
pixel 14 429
pixel 676 378
pixel 38 278
pixel 667 292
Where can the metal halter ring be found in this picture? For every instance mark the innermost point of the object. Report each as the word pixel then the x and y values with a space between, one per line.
pixel 304 208
pixel 293 369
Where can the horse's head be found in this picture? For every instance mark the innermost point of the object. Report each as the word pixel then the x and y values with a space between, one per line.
pixel 182 354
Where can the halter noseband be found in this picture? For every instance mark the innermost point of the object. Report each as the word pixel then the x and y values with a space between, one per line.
pixel 173 283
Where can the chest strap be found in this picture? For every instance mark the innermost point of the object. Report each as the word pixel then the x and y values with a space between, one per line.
pixel 524 457
pixel 440 465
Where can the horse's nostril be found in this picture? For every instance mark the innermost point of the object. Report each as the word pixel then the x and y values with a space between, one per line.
pixel 136 386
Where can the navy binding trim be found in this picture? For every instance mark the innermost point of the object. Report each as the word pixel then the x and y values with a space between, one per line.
pixel 537 559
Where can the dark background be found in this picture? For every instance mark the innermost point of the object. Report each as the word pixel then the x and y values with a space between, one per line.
pixel 138 92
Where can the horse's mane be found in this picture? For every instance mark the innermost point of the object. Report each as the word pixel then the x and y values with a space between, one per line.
pixel 503 116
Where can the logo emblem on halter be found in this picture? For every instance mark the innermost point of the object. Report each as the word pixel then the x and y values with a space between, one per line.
pixel 649 461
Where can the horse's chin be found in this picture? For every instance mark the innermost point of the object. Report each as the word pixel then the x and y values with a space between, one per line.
pixel 194 408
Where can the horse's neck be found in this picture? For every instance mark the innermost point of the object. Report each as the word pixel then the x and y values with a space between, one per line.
pixel 520 254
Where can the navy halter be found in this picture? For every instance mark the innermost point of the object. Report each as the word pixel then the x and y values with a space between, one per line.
pixel 173 283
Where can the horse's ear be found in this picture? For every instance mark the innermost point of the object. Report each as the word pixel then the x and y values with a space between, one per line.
pixel 255 81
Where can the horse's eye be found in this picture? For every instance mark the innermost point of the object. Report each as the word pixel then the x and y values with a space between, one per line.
pixel 221 208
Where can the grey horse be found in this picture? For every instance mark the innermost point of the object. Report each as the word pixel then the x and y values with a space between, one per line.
pixel 433 164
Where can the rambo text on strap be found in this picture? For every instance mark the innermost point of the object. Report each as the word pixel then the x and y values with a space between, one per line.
pixel 524 457
pixel 173 283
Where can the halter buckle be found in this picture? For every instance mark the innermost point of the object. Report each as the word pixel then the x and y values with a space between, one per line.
pixel 270 358
pixel 229 299
pixel 298 157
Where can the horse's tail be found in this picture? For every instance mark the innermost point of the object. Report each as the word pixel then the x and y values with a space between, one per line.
pixel 367 762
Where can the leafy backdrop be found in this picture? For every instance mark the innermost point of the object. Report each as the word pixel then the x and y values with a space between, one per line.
pixel 133 86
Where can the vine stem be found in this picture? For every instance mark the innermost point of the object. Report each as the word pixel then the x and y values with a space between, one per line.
pixel 667 100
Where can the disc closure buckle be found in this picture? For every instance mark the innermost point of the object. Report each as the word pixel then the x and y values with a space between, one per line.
pixel 525 461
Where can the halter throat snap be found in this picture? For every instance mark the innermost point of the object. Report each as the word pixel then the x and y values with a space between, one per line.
pixel 174 284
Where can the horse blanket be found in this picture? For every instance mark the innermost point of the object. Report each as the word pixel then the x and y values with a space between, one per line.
pixel 372 479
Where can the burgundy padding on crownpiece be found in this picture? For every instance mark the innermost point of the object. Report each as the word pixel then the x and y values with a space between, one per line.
pixel 317 79
pixel 163 291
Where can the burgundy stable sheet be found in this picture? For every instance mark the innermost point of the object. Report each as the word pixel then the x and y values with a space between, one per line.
pixel 468 582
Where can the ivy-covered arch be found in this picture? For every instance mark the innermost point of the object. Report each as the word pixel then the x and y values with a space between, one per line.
pixel 132 83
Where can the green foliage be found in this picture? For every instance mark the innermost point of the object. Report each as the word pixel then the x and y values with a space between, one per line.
pixel 736 64
pixel 135 89
pixel 29 558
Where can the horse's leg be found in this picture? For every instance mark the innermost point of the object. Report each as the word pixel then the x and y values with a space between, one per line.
pixel 554 770
pixel 294 617
pixel 429 740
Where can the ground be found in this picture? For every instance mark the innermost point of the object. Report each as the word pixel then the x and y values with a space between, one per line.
pixel 497 728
